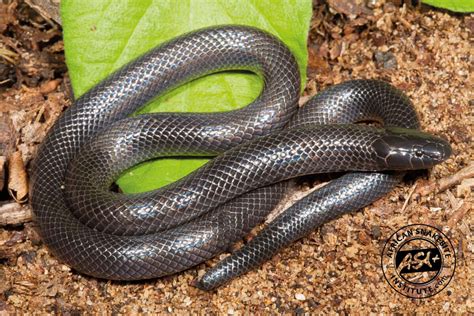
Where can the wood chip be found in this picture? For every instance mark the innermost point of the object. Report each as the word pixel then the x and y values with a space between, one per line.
pixel 49 9
pixel 14 214
pixel 49 86
pixel 465 188
pixel 7 132
pixel 300 297
pixel 352 8
pixel 459 214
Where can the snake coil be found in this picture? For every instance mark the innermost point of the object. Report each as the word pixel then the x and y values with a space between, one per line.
pixel 128 237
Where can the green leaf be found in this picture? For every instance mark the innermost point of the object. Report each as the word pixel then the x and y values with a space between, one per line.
pixel 453 5
pixel 101 36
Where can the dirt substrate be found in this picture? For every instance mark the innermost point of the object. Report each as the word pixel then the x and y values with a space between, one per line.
pixel 423 51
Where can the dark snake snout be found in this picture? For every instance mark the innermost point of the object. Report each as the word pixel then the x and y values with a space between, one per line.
pixel 408 149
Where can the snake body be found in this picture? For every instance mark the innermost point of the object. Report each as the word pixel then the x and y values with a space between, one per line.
pixel 128 237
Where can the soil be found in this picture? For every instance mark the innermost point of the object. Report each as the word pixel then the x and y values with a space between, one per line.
pixel 423 51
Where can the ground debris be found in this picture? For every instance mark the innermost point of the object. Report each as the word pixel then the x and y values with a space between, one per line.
pixel 29 49
pixel 49 9
pixel 17 178
pixel 351 8
pixel 464 176
pixel 14 214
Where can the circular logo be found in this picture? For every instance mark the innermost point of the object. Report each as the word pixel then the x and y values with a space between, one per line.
pixel 418 261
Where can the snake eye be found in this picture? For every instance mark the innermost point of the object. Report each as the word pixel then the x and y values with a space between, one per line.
pixel 418 153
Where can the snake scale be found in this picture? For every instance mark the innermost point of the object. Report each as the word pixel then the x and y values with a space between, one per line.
pixel 111 235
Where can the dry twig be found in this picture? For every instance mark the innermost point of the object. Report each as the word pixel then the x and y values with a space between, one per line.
pixel 448 182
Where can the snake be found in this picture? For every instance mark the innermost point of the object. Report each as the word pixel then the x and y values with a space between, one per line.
pixel 107 234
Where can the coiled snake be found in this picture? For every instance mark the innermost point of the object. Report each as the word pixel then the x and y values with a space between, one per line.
pixel 126 237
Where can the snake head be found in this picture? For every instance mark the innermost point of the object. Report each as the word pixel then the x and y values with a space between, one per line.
pixel 409 149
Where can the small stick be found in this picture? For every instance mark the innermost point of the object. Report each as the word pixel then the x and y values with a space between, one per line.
pixel 447 182
pixel 408 197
